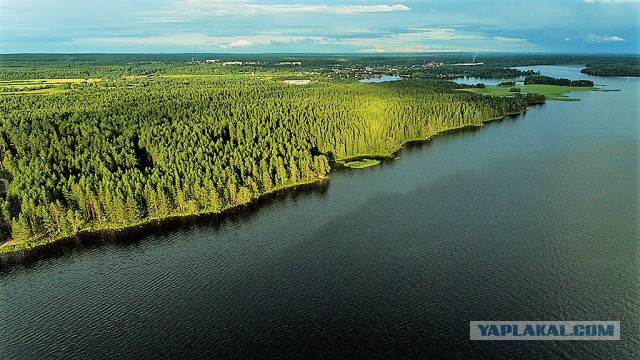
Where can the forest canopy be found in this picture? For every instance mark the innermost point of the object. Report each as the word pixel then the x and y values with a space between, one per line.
pixel 548 80
pixel 116 145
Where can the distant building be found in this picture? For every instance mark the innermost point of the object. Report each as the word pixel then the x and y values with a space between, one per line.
pixel 212 61
pixel 232 63
pixel 282 63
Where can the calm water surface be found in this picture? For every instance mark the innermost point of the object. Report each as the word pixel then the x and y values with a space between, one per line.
pixel 531 218
pixel 470 80
pixel 383 78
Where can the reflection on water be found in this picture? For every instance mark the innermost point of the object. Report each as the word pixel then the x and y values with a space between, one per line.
pixel 470 80
pixel 160 230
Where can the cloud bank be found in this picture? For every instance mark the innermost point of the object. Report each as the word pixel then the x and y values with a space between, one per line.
pixel 338 26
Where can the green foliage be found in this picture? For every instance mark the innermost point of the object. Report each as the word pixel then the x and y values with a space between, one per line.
pixel 613 70
pixel 117 152
pixel 548 80
pixel 535 94
pixel 534 99
pixel 481 71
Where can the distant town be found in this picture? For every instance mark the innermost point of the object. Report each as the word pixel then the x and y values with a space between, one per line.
pixel 343 71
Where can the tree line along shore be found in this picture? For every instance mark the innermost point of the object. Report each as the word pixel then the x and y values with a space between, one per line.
pixel 113 155
pixel 119 150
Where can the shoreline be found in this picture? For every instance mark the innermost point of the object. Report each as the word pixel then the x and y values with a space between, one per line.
pixel 8 248
pixel 393 154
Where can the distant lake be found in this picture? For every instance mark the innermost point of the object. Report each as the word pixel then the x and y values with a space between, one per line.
pixel 470 80
pixel 534 217
pixel 383 78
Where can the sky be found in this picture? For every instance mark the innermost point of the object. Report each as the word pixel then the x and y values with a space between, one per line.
pixel 323 26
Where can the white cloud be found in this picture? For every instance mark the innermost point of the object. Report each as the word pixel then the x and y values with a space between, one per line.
pixel 241 43
pixel 440 34
pixel 357 9
pixel 376 50
pixel 420 40
pixel 187 39
pixel 198 39
pixel 606 38
pixel 193 9
pixel 611 1
pixel 508 39
pixel 414 40
pixel 417 49
pixel 260 9
pixel 409 50
pixel 429 40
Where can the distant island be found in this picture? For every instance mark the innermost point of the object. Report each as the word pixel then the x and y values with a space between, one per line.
pixel 613 70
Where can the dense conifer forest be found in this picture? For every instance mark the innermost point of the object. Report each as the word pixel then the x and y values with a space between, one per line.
pixel 613 70
pixel 133 143
pixel 547 80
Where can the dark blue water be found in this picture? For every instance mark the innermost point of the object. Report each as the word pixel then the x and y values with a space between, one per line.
pixel 531 218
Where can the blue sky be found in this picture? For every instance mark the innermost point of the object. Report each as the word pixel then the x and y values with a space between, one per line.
pixel 325 26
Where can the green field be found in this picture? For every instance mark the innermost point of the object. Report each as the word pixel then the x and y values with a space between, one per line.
pixel 551 92
pixel 38 86
pixel 361 164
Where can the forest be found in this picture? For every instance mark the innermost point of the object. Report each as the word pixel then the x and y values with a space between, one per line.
pixel 613 70
pixel 108 141
pixel 128 149
pixel 548 80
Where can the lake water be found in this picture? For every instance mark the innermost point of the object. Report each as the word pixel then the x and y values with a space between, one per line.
pixel 383 78
pixel 470 80
pixel 534 217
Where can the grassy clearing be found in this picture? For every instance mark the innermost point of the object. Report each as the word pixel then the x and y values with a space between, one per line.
pixel 46 81
pixel 554 92
pixel 196 76
pixel 551 92
pixel 214 76
pixel 361 164
pixel 33 91
pixel 38 86
pixel 205 76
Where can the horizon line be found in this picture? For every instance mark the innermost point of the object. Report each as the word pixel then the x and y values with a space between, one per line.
pixel 452 53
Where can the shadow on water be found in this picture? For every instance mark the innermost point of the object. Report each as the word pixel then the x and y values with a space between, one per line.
pixel 156 231
pixel 423 144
